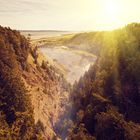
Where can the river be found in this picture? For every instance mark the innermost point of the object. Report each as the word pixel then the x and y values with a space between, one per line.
pixel 76 63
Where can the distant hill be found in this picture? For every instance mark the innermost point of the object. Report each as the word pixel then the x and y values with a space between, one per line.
pixel 86 41
pixel 38 34
pixel 43 31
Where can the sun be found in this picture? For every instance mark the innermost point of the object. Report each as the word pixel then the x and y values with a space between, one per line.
pixel 112 8
pixel 112 11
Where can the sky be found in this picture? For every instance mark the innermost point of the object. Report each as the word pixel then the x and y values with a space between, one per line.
pixel 74 15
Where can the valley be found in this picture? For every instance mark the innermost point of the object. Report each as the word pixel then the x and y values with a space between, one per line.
pixel 40 100
pixel 70 70
pixel 75 62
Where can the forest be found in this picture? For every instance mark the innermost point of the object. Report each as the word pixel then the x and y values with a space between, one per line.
pixel 103 105
pixel 16 112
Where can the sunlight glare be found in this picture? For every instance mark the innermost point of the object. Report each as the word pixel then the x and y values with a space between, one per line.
pixel 112 14
pixel 112 9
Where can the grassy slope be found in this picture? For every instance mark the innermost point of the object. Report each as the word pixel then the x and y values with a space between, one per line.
pixel 88 42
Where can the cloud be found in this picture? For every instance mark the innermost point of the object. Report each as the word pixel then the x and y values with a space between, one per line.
pixel 62 14
pixel 22 6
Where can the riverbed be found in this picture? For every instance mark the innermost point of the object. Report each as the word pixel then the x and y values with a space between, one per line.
pixel 76 63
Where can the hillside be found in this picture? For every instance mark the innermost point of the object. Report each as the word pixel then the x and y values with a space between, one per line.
pixel 89 42
pixel 37 103
pixel 31 90
pixel 105 103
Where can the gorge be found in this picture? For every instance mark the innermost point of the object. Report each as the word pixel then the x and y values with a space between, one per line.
pixel 39 99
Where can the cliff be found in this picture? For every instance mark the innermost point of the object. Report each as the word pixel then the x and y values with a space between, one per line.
pixel 32 92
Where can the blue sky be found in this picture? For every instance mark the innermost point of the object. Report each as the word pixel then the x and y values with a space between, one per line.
pixel 68 14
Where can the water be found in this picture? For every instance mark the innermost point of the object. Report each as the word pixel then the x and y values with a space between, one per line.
pixel 76 63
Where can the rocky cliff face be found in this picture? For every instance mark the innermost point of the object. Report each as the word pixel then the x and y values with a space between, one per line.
pixel 48 94
pixel 32 93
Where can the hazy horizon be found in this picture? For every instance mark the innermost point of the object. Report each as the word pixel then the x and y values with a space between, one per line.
pixel 68 15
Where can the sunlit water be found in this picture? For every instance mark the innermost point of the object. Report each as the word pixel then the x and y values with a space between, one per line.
pixel 75 63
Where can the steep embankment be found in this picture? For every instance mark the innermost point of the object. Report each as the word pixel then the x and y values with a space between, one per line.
pixel 49 94
pixel 16 119
pixel 105 102
pixel 32 93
